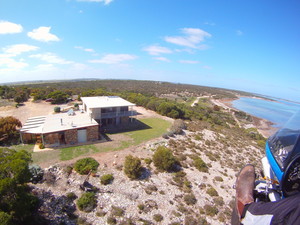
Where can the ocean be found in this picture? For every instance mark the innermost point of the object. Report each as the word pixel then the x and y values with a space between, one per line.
pixel 278 111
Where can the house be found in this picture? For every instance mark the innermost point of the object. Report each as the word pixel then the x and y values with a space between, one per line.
pixel 109 111
pixel 81 126
pixel 60 129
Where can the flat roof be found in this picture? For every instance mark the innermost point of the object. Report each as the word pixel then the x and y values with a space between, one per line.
pixel 105 102
pixel 57 122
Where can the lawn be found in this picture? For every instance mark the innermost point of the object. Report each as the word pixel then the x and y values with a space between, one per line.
pixel 156 127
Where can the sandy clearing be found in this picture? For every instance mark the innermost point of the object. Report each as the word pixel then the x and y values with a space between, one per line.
pixel 30 109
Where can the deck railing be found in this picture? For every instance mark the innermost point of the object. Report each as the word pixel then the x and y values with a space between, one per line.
pixel 116 114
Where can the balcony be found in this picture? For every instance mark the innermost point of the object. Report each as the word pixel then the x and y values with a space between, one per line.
pixel 115 114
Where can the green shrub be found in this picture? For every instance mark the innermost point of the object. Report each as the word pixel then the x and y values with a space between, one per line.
pixel 218 178
pixel 141 207
pixel 87 202
pixel 212 192
pixel 41 146
pixel 190 199
pixel 132 167
pixel 106 179
pixel 111 220
pixel 164 160
pixel 210 210
pixel 57 109
pixel 82 221
pixel 158 217
pixel 71 195
pixel 148 161
pixel 5 219
pixel 85 165
pixel 200 165
pixel 101 213
pixel 117 211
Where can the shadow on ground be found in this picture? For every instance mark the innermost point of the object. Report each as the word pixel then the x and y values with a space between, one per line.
pixel 134 126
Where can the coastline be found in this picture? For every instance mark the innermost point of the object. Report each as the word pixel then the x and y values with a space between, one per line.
pixel 264 127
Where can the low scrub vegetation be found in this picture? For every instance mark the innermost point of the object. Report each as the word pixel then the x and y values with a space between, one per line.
pixel 106 179
pixel 132 167
pixel 85 165
pixel 164 160
pixel 87 202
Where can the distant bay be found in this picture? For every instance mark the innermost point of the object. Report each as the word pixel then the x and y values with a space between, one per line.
pixel 277 111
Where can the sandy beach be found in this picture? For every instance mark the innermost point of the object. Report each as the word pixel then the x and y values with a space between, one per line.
pixel 265 127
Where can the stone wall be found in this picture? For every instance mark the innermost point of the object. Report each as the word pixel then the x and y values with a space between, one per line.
pixel 71 137
pixel 51 139
pixel 92 133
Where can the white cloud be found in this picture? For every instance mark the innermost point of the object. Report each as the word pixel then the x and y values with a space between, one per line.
pixel 43 67
pixel 157 50
pixel 85 49
pixel 106 2
pixel 14 50
pixel 162 59
pixel 192 38
pixel 239 32
pixel 11 64
pixel 51 58
pixel 114 58
pixel 10 28
pixel 189 61
pixel 43 34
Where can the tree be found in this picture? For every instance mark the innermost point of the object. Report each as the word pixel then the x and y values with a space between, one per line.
pixel 164 160
pixel 8 130
pixel 16 203
pixel 132 167
pixel 58 97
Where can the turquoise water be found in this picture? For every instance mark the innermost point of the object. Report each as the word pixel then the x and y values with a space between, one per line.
pixel 277 112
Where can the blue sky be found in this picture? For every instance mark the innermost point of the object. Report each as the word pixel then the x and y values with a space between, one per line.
pixel 245 45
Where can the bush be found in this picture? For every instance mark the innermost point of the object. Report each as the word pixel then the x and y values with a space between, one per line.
pixel 164 160
pixel 190 199
pixel 210 210
pixel 87 202
pixel 200 165
pixel 132 167
pixel 106 179
pixel 117 211
pixel 148 161
pixel 71 195
pixel 5 219
pixel 178 126
pixel 111 220
pixel 212 192
pixel 41 146
pixel 84 166
pixel 57 109
pixel 158 217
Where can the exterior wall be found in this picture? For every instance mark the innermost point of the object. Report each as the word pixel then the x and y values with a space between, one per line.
pixel 51 140
pixel 92 133
pixel 71 137
pixel 28 138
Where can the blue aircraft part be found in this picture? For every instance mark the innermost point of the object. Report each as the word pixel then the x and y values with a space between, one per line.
pixel 275 167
